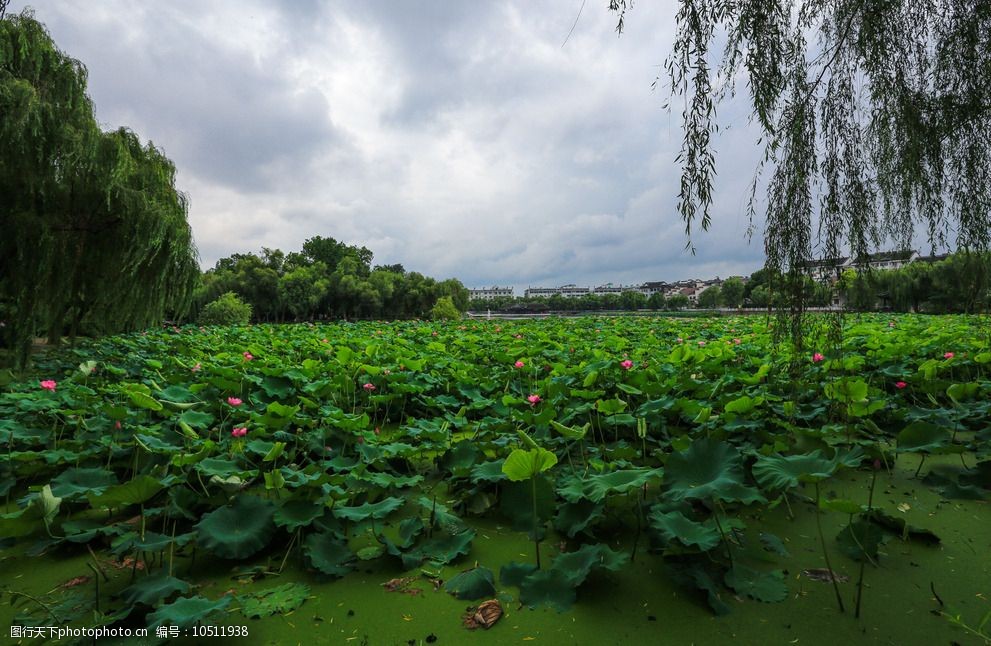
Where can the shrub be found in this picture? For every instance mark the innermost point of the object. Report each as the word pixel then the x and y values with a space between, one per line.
pixel 228 309
pixel 444 309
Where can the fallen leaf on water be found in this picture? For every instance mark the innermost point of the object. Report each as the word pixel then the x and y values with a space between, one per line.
pixel 903 507
pixel 824 576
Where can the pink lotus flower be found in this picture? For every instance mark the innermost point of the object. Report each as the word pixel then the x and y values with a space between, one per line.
pixel 817 357
pixel 386 372
pixel 626 365
pixel 48 384
pixel 701 344
pixel 239 432
pixel 117 425
pixel 948 355
pixel 378 431
pixel 519 336
pixel 196 368
pixel 680 340
pixel 900 384
pixel 736 341
pixel 369 387
pixel 533 399
pixel 234 401
pixel 248 356
pixel 518 364
pixel 433 334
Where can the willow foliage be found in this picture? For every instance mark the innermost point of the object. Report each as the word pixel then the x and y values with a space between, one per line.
pixel 94 230
pixel 875 119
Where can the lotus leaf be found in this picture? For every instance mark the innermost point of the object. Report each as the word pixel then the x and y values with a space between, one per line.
pixel 476 583
pixel 709 469
pixel 132 492
pixel 281 600
pixel 187 611
pixel 239 530
pixel 674 525
pixel 328 554
pixel 74 483
pixel 152 589
pixel 768 587
pixel 548 588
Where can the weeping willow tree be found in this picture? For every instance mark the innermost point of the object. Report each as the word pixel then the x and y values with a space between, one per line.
pixel 93 229
pixel 875 119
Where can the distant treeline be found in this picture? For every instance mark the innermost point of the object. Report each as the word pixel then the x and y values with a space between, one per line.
pixel 327 279
pixel 959 284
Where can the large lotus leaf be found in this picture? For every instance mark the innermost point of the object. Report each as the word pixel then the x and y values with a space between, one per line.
pixel 740 406
pixel 149 590
pixel 33 518
pixel 239 530
pixel 281 600
pixel 516 503
pixel 197 419
pixel 84 530
pixel 472 584
pixel 523 465
pixel 547 588
pixel 132 492
pixel 133 541
pixel 860 540
pixel 597 487
pixel 576 566
pixel 768 587
pixel 900 526
pixel 675 526
pixel 487 472
pixel 460 459
pixel 74 483
pixel 378 510
pixel 441 516
pixel 570 432
pixel 922 437
pixel 610 406
pixel 787 471
pixel 573 517
pixel 709 469
pixel 383 480
pixel 294 514
pixel 328 554
pixel 695 576
pixel 513 573
pixel 187 611
pixel 440 549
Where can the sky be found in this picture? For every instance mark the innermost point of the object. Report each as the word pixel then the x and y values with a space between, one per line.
pixel 461 139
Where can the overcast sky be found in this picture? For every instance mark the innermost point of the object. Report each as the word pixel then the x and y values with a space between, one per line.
pixel 457 138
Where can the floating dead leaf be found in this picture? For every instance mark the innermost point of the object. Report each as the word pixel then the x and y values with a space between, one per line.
pixel 903 507
pixel 824 575
pixel 483 616
pixel 399 585
pixel 73 582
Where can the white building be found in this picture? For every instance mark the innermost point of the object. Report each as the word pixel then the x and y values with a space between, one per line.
pixel 568 291
pixel 490 293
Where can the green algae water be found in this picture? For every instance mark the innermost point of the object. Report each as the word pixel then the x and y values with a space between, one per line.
pixel 639 604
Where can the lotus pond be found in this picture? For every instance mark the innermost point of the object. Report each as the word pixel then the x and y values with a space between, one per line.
pixel 682 481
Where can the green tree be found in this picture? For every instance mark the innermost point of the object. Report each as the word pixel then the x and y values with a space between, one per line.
pixel 677 302
pixel 709 299
pixel 226 310
pixel 95 232
pixel 731 292
pixel 444 309
pixel 656 301
pixel 632 301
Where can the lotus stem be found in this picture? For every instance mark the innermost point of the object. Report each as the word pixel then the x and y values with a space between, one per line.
pixel 96 580
pixel 860 578
pixel 825 553
pixel 921 462
pixel 536 539
pixel 722 534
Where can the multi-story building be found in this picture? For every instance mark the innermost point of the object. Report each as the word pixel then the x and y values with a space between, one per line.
pixel 490 293
pixel 568 291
